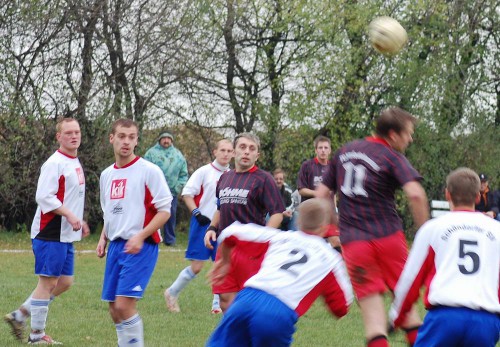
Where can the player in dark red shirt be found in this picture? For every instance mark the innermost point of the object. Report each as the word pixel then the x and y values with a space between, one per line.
pixel 312 170
pixel 365 174
pixel 245 194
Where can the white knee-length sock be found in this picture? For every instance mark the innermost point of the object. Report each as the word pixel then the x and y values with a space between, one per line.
pixel 133 331
pixel 39 311
pixel 185 276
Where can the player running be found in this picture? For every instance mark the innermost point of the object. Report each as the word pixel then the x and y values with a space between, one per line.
pixel 200 199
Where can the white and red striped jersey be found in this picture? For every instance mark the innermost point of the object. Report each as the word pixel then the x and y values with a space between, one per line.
pixel 131 196
pixel 297 268
pixel 201 186
pixel 61 182
pixel 457 257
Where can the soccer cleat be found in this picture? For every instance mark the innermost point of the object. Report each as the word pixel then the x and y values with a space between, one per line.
pixel 44 340
pixel 216 310
pixel 17 327
pixel 171 301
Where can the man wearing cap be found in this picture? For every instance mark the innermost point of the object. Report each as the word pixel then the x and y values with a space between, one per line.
pixel 174 167
pixel 488 204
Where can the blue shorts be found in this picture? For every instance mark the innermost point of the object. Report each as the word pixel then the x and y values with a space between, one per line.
pixel 196 249
pixel 255 318
pixel 128 274
pixel 53 258
pixel 458 326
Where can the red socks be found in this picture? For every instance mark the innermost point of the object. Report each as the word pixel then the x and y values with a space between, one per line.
pixel 378 341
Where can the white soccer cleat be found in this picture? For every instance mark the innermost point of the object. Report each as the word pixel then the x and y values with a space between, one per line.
pixel 171 301
pixel 44 340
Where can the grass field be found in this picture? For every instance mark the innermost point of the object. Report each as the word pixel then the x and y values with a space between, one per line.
pixel 80 318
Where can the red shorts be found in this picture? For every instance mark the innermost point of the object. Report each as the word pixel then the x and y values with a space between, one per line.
pixel 246 259
pixel 375 265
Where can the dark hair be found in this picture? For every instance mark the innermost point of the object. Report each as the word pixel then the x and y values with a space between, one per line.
pixel 393 118
pixel 321 138
pixel 123 122
pixel 463 184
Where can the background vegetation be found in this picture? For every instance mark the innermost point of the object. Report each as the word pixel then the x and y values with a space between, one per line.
pixel 285 69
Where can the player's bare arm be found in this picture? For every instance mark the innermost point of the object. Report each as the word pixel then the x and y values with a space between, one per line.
pixel 70 217
pixel 211 235
pixel 307 193
pixel 221 267
pixel 85 229
pixel 101 245
pixel 135 243
pixel 275 220
pixel 189 201
pixel 419 205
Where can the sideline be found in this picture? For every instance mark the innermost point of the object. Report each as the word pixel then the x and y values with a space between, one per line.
pixel 85 251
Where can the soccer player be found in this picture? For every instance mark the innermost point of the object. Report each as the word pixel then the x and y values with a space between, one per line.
pixel 58 222
pixel 456 256
pixel 245 194
pixel 311 175
pixel 135 200
pixel 365 174
pixel 200 199
pixel 312 170
pixel 297 268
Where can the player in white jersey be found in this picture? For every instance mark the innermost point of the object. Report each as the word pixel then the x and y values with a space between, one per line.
pixel 135 200
pixel 297 268
pixel 200 199
pixel 58 222
pixel 457 257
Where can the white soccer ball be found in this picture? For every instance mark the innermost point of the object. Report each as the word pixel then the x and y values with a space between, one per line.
pixel 387 36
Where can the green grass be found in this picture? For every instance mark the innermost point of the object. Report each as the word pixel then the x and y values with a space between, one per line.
pixel 80 318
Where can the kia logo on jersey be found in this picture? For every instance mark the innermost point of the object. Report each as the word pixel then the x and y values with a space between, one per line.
pixel 118 189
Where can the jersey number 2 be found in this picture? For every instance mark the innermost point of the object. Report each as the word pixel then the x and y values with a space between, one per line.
pixel 299 258
pixel 463 254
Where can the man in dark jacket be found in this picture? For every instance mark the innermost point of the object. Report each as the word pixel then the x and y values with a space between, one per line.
pixel 489 201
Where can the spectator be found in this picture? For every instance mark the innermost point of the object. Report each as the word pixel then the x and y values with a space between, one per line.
pixel 174 167
pixel 298 267
pixel 488 203
pixel 456 257
pixel 286 197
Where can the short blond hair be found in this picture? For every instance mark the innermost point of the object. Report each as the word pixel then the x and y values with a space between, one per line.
pixel 314 214
pixel 62 120
pixel 463 184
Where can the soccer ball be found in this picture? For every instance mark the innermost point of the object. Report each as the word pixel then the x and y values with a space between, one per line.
pixel 387 36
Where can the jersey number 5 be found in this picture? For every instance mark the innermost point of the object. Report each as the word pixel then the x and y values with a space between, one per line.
pixel 463 254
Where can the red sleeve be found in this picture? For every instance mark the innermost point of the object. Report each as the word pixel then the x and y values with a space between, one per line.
pixel 334 296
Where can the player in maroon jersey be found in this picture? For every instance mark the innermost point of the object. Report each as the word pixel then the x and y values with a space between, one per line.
pixel 365 174
pixel 245 194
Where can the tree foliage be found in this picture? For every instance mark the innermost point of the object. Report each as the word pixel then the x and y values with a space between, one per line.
pixel 287 70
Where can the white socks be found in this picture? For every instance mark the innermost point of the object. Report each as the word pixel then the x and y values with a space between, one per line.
pixel 39 311
pixel 185 276
pixel 132 332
